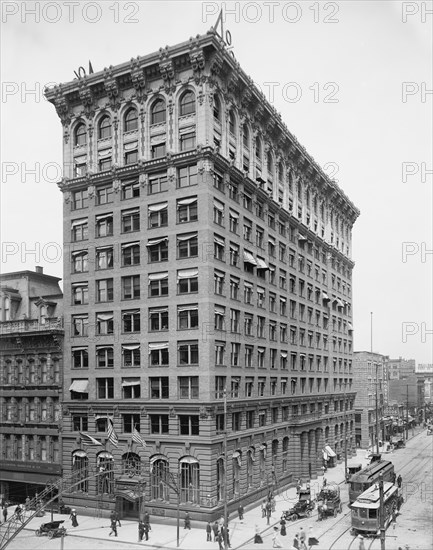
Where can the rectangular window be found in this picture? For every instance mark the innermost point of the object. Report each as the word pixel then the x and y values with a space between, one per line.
pixel 158 354
pixel 157 250
pixel 80 293
pixel 131 388
pixel 130 254
pixel 104 225
pixel 187 281
pixel 233 191
pixel 131 321
pixel 188 424
pixel 235 354
pixel 188 387
pixel 80 358
pixel 187 353
pixel 158 284
pixel 130 422
pixel 79 325
pixel 80 261
pixel 219 248
pixel 250 420
pixel 234 254
pixel 105 323
pixel 248 324
pixel 131 356
pixel 187 245
pixel 187 210
pixel 220 349
pixel 105 388
pixel 158 319
pixel 187 141
pixel 104 195
pixel 218 181
pixel 249 351
pixel 218 212
pixel 248 293
pixel 219 279
pixel 235 318
pixel 248 230
pixel 130 287
pixel 130 220
pixel 104 290
pixel 79 230
pixel 130 190
pixel 219 317
pixel 131 157
pixel 187 176
pixel 104 257
pixel 234 221
pixel 159 387
pixel 79 423
pixel 158 183
pixel 158 150
pixel 157 215
pixel 234 288
pixel 187 317
pixel 104 357
pixel 159 423
pixel 79 199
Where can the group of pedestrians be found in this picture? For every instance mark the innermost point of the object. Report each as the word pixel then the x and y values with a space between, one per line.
pixel 144 527
pixel 219 531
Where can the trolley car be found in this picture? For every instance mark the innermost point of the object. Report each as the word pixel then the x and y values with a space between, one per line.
pixel 365 478
pixel 365 510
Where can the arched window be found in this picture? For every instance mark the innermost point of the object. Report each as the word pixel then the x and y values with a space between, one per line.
pixel 217 108
pixel 189 480
pixel 220 479
pixel 246 137
pixel 104 128
pixel 280 173
pixel 159 470
pixel 262 463
pixel 131 120
pixel 158 112
pixel 274 451
pixel 232 123
pixel 80 135
pixel 187 103
pixel 250 466
pixel 270 163
pixel 80 470
pixel 236 467
pixel 131 464
pixel 105 467
pixel 258 148
pixel 285 454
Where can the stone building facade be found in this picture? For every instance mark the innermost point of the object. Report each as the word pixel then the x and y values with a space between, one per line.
pixel 207 263
pixel 31 364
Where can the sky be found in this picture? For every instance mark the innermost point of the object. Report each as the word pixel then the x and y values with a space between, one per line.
pixel 352 81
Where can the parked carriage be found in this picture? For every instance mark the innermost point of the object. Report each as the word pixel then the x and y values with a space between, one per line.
pixel 329 502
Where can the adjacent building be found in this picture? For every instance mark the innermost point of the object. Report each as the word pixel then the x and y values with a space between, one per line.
pixel 31 364
pixel 208 289
pixel 425 371
pixel 405 387
pixel 369 403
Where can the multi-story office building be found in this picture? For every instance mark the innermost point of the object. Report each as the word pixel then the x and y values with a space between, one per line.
pixel 31 355
pixel 424 371
pixel 205 251
pixel 400 368
pixel 368 383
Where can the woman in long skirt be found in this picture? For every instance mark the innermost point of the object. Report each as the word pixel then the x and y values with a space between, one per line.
pixel 283 527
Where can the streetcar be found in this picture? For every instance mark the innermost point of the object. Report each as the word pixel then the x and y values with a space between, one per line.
pixel 365 509
pixel 365 478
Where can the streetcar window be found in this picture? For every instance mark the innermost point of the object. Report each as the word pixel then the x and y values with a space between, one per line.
pixel 363 513
pixel 373 513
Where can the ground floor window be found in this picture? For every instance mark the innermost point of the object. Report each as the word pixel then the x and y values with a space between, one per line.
pixel 189 480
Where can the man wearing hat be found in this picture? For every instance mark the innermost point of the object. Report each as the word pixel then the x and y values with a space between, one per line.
pixel 361 542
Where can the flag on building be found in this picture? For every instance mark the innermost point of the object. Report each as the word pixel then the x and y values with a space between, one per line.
pixel 137 438
pixel 111 434
pixel 87 439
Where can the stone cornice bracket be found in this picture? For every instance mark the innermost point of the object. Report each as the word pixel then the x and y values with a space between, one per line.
pixel 166 68
pixel 112 88
pixel 197 59
pixel 232 83
pixel 216 65
pixel 246 98
pixel 63 185
pixel 138 79
pixel 87 98
pixel 61 105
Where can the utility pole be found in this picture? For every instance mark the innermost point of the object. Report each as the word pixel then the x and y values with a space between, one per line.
pixel 381 514
pixel 225 470
pixel 377 411
pixel 407 412
pixel 345 433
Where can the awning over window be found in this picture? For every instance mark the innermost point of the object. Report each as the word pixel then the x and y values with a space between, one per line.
pixel 340 303
pixel 219 241
pixel 130 346
pixel 82 221
pixel 261 264
pixel 79 454
pixel 186 202
pixel 219 206
pixel 79 386
pixel 130 382
pixel 79 253
pixel 158 276
pixel 237 455
pixel 248 285
pixel 260 290
pixel 302 237
pixel 104 217
pixel 187 237
pixel 131 146
pixel 156 140
pixel 329 451
pixel 234 214
pixel 325 296
pixel 154 458
pixel 104 153
pixel 104 316
pixel 129 245
pixel 188 460
pixel 81 159
pixel 158 207
pixel 284 354
pixel 249 258
pixel 130 312
pixel 187 130
pixel 349 326
pixel 158 345
pixel 186 308
pixel 130 211
pixel 154 242
pixel 187 273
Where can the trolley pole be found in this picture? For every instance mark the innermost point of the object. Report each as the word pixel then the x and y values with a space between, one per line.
pixel 381 514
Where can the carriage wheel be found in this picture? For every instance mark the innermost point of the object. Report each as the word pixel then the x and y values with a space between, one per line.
pixel 294 517
pixel 38 532
pixel 50 534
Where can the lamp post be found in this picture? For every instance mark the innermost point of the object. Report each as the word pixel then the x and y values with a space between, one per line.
pixel 172 481
pixel 377 410
pixel 225 470
pixel 345 433
pixel 50 484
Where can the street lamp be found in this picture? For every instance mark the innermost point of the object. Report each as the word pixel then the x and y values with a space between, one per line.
pixel 172 481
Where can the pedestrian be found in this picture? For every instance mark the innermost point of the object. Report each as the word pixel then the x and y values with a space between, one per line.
pixel 5 513
pixel 257 537
pixel 19 513
pixel 140 530
pixel 302 535
pixel 296 543
pixel 268 512
pixel 73 518
pixel 276 542
pixel 113 527
pixel 187 522
pixel 241 512
pixel 312 540
pixel 273 504
pixel 146 530
pixel 283 532
pixel 394 519
pixel 220 541
pixel 227 536
pixel 208 532
pixel 117 517
pixel 298 486
pixel 146 520
pixel 361 543
pixel 399 481
pixel 215 529
pixel 324 482
pixel 27 505
pixel 323 470
pixel 263 508
pixel 393 477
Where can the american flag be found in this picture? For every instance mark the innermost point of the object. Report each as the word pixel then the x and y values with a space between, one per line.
pixel 87 439
pixel 137 438
pixel 111 434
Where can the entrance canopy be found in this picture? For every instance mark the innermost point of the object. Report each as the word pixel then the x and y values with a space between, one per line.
pixel 328 453
pixel 128 494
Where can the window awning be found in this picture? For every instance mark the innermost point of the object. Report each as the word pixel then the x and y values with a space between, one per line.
pixel 76 285
pixel 154 458
pixel 260 290
pixel 187 130
pixel 130 346
pixel 219 241
pixel 325 296
pixel 329 451
pixel 349 326
pixel 188 460
pixel 130 245
pixel 101 248
pixel 79 386
pixel 237 455
pixel 105 153
pixel 130 382
pixel 157 207
pixel 154 242
pixel 340 303
pixel 261 264
pixel 131 146
pixel 186 308
pixel 182 238
pixel 81 348
pixel 80 454
pixel 81 159
pixel 82 221
pixel 249 258
pixel 158 345
pixel 156 140
pixel 158 276
pixel 302 237
pixel 219 206
pixel 80 253
pixel 105 454
pixel 130 312
pixel 104 316
pixel 248 285
pixel 187 273
pixel 186 202
pixel 233 214
pixel 284 354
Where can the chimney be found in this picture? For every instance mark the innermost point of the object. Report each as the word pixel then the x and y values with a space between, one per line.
pixel 39 269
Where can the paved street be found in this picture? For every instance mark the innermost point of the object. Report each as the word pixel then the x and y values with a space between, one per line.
pixel 414 526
